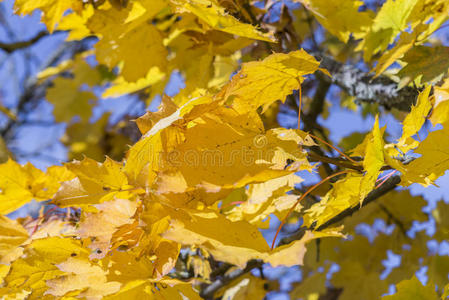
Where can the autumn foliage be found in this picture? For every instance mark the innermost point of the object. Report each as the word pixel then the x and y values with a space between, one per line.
pixel 177 204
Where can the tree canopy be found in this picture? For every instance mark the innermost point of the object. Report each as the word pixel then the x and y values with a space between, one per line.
pixel 233 188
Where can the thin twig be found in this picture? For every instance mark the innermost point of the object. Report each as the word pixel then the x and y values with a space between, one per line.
pixel 333 147
pixel 208 291
pixel 314 157
pixel 11 47
pixel 318 100
pixel 299 105
pixel 299 200
pixel 312 31
pixel 33 90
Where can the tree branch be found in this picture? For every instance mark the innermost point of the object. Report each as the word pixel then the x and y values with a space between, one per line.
pixel 315 157
pixel 208 291
pixel 381 90
pixel 389 185
pixel 309 120
pixel 34 90
pixel 11 47
pixel 317 105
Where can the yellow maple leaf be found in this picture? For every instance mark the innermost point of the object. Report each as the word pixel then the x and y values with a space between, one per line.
pixel 75 24
pixel 413 289
pixel 246 285
pixel 440 112
pixel 357 281
pixel 144 158
pixel 392 18
pixel 214 15
pixel 341 18
pixel 69 101
pixel 94 183
pixel 233 242
pixel 196 75
pixel 345 193
pixel 52 10
pixel 405 43
pixel 156 289
pixel 140 49
pixel 19 184
pixel 415 120
pixel 373 161
pixel 434 160
pixel 120 86
pixel 174 142
pixel 136 274
pixel 12 235
pixel 37 265
pixel 165 251
pixel 95 140
pixel 102 224
pixel 261 83
pixel 264 199
pixel 15 187
pixel 430 10
pixel 237 242
pixel 394 14
pixel 424 63
pixel 293 254
pixel 78 278
pixel 242 155
pixel 352 190
pixel 68 95
pixel 149 119
pixel 127 38
pixel 224 66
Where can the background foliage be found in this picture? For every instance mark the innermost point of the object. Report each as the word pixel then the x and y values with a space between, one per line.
pixel 174 141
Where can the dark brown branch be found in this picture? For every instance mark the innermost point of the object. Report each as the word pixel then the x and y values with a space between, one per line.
pixel 312 31
pixel 209 291
pixel 34 90
pixel 317 105
pixel 331 294
pixel 388 186
pixel 314 157
pixel 219 271
pixel 11 47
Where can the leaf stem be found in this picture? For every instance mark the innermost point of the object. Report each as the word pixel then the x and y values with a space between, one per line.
pixel 334 161
pixel 385 178
pixel 302 197
pixel 300 105
pixel 333 147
